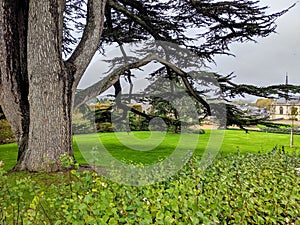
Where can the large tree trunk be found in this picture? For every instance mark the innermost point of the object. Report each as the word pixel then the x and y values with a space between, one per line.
pixel 13 68
pixel 50 133
pixel 50 90
pixel 37 87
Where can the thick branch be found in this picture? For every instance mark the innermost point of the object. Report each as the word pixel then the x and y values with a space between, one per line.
pixel 184 77
pixel 111 79
pixel 108 81
pixel 136 18
pixel 148 117
pixel 89 43
pixel 272 91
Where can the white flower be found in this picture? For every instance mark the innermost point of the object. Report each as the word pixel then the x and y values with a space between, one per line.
pixel 297 170
pixel 286 220
pixel 146 200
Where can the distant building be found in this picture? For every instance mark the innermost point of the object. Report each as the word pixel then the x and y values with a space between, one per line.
pixel 282 109
pixel 251 110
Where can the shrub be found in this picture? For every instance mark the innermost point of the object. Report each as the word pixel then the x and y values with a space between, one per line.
pixel 81 125
pixel 138 124
pixel 104 127
pixel 279 130
pixel 237 189
pixel 6 134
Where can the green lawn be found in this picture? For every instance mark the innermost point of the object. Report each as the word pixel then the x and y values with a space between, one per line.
pixel 139 147
pixel 237 189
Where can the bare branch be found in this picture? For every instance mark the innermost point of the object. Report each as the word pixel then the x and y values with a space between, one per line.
pixel 89 43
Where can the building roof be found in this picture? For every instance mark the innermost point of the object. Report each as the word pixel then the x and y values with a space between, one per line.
pixel 283 101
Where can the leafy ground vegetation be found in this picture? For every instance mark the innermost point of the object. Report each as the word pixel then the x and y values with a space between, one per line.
pixel 236 189
pixel 245 184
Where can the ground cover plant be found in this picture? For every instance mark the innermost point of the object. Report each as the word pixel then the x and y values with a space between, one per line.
pixel 235 189
pixel 245 184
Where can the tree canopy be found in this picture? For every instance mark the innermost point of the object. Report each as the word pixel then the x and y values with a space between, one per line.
pixel 45 47
pixel 205 28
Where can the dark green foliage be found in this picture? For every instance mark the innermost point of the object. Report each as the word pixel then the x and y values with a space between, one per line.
pixel 103 115
pixel 6 133
pixel 2 116
pixel 138 123
pixel 102 119
pixel 215 24
pixel 81 124
pixel 74 21
pixel 279 130
pixel 224 23
pixel 104 127
pixel 231 89
pixel 235 116
pixel 136 120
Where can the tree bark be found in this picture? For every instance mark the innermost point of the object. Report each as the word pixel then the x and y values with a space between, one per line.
pixel 13 68
pixel 37 86
pixel 50 90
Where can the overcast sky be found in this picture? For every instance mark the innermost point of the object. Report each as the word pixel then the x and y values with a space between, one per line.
pixel 270 59
pixel 263 63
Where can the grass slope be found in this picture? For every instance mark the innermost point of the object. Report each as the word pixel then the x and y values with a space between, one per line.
pixel 141 147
